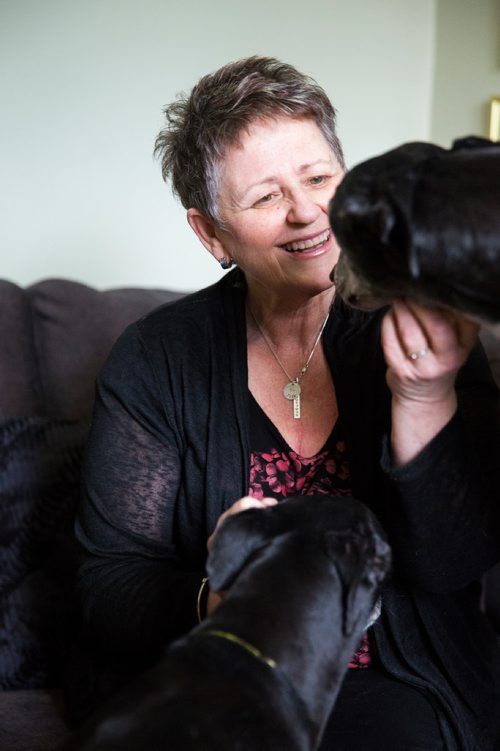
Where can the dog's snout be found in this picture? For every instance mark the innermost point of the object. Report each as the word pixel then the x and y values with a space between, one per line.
pixel 332 274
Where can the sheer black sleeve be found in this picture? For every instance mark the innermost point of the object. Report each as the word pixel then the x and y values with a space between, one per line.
pixel 443 507
pixel 136 590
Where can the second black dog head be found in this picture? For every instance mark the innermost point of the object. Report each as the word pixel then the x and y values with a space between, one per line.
pixel 343 529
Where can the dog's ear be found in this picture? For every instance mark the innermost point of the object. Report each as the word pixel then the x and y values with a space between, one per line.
pixel 375 218
pixel 388 225
pixel 362 560
pixel 467 143
pixel 381 220
pixel 237 539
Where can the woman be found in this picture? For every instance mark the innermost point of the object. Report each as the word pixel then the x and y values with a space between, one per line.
pixel 265 385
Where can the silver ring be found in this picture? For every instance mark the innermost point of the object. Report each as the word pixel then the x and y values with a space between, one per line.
pixel 419 354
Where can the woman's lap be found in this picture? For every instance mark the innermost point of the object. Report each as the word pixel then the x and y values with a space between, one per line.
pixel 374 712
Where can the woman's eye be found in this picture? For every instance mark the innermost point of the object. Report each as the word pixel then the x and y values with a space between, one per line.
pixel 268 198
pixel 318 179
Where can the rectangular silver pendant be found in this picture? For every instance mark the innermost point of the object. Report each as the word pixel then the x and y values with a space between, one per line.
pixel 296 407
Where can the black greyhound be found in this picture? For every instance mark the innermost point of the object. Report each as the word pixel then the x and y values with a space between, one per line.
pixel 263 671
pixel 422 222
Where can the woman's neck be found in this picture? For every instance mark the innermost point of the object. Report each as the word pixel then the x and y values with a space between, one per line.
pixel 283 319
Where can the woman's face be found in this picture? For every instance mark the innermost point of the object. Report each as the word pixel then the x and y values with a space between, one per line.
pixel 275 187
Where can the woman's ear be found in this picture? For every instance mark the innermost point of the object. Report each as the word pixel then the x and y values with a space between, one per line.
pixel 206 231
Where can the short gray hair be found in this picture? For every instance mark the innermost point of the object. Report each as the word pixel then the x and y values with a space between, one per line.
pixel 202 125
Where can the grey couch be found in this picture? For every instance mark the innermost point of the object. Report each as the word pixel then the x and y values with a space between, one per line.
pixel 55 336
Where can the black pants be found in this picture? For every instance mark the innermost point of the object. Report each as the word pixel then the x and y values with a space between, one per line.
pixel 375 712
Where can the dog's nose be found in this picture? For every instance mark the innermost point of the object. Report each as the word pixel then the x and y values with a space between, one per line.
pixel 332 273
pixel 352 300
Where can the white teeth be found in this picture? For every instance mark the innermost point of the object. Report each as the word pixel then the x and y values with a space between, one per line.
pixel 307 244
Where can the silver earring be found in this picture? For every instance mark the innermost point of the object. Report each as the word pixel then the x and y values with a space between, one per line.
pixel 225 263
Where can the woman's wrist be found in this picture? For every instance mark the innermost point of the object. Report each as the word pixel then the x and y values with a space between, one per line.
pixel 415 424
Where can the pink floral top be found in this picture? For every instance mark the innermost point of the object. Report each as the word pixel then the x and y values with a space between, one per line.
pixel 278 471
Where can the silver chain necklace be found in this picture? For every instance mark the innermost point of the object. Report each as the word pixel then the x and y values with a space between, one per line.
pixel 291 390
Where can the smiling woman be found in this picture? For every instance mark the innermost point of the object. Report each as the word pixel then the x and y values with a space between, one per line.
pixel 275 185
pixel 266 385
pixel 274 189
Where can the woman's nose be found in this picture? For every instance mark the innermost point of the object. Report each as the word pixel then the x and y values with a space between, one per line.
pixel 303 210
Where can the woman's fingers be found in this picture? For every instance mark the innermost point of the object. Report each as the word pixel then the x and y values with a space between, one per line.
pixel 424 348
pixel 214 599
pixel 403 337
pixel 466 331
pixel 412 332
pixel 445 330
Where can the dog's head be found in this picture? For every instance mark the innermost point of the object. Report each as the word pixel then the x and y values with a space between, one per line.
pixel 422 222
pixel 323 531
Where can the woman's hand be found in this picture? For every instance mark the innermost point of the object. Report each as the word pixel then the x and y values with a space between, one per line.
pixel 214 598
pixel 424 349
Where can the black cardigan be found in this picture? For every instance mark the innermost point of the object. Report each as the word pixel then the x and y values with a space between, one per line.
pixel 169 452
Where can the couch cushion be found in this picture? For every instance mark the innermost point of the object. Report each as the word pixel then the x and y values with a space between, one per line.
pixel 40 465
pixel 18 367
pixel 75 327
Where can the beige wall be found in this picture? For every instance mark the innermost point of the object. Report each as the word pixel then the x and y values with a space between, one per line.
pixel 82 90
pixel 83 85
pixel 467 69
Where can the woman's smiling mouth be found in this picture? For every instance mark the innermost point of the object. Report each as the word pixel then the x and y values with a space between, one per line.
pixel 302 246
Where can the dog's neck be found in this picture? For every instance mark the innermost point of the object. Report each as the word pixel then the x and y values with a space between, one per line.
pixel 313 668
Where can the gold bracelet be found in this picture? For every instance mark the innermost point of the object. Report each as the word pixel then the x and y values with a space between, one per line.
pixel 198 601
